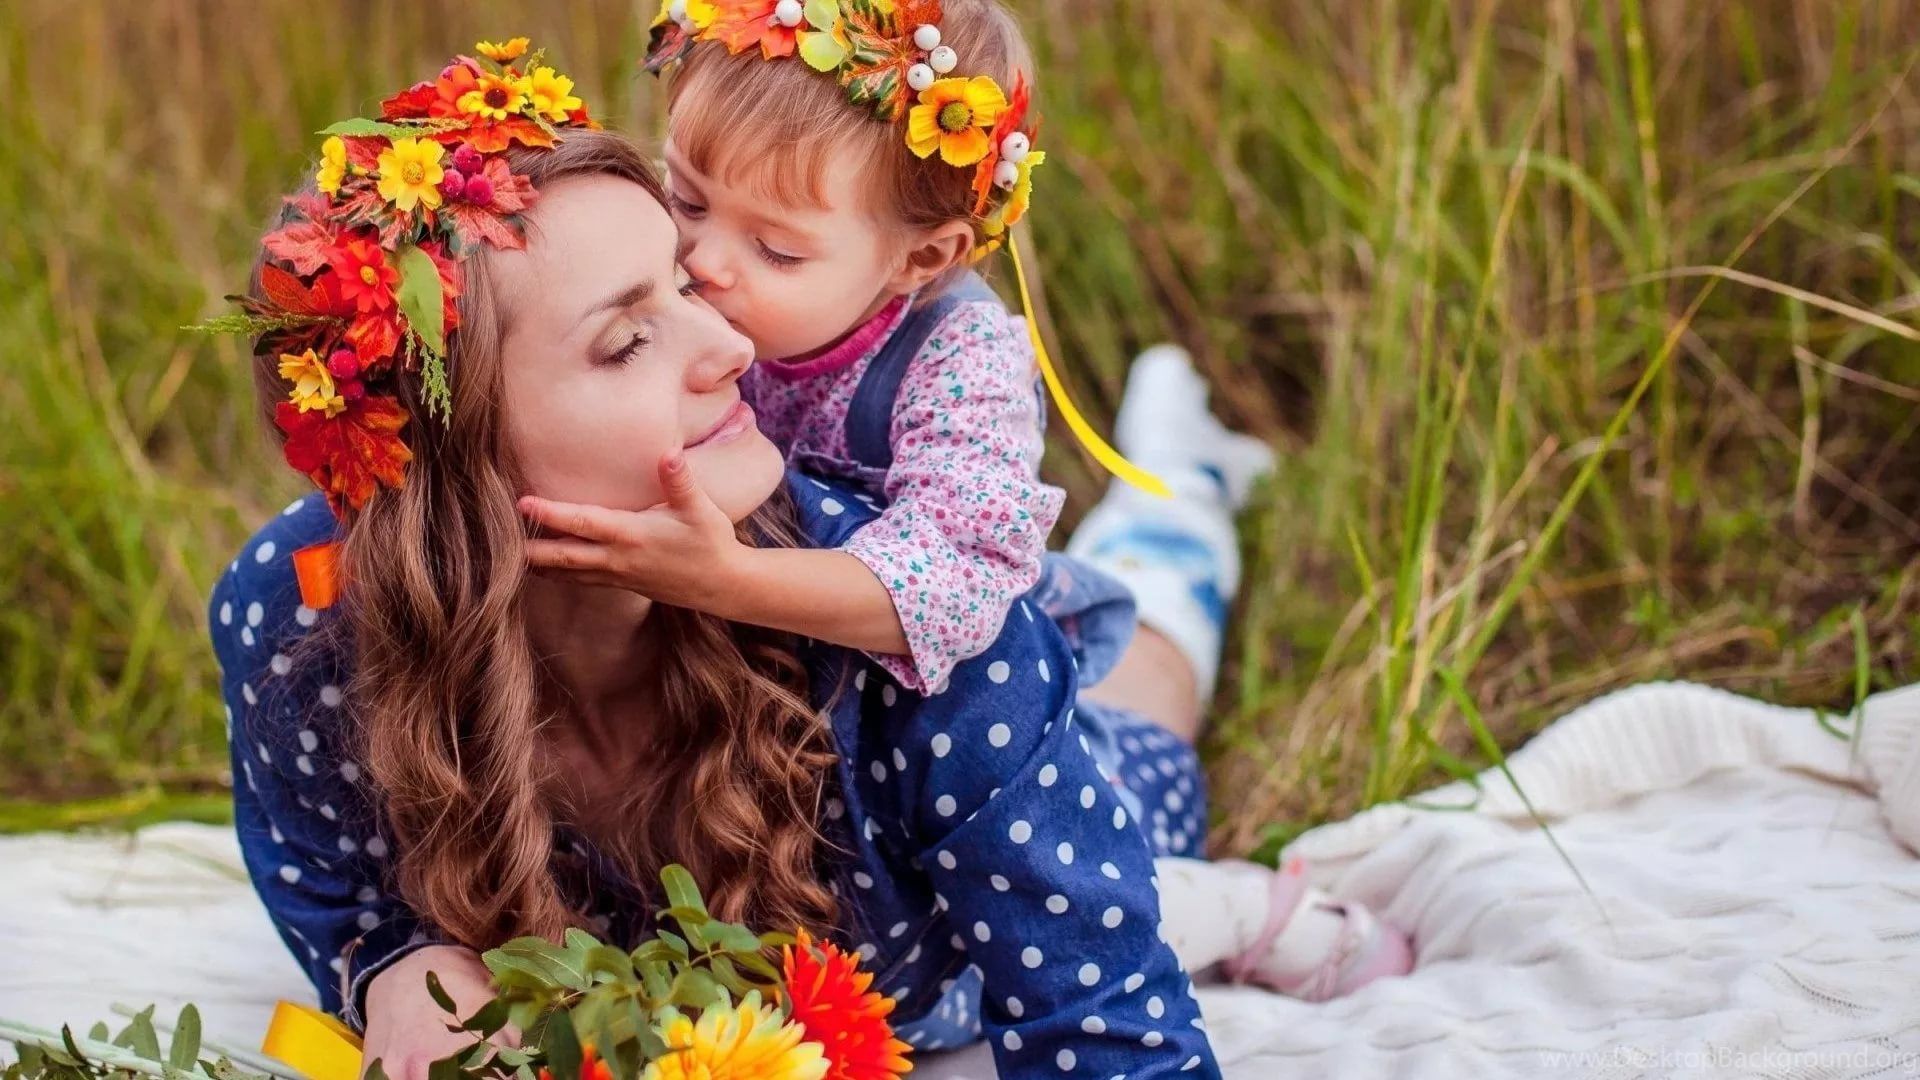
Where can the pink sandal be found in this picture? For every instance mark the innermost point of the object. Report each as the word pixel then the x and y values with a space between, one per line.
pixel 1366 948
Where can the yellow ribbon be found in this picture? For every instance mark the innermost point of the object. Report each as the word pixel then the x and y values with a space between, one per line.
pixel 315 1044
pixel 1089 438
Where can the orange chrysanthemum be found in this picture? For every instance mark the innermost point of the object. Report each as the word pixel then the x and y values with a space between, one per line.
pixel 829 996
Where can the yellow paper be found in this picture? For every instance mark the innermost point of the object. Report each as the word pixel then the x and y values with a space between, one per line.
pixel 317 1045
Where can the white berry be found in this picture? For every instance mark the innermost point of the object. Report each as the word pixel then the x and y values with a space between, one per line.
pixel 1014 147
pixel 920 76
pixel 944 59
pixel 788 12
pixel 1006 174
pixel 678 12
pixel 927 37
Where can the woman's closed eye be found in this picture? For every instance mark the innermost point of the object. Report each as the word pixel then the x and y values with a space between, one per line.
pixel 625 353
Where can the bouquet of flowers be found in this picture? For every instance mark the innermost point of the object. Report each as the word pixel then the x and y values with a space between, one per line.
pixel 714 1001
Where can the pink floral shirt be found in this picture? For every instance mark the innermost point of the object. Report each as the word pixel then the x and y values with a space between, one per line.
pixel 968 518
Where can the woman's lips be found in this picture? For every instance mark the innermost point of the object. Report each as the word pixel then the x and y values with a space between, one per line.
pixel 732 424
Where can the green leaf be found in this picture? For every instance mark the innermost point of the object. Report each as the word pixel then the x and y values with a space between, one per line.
pixel 561 1045
pixel 488 1019
pixel 420 296
pixel 376 1071
pixel 447 1068
pixel 361 127
pixel 140 1037
pixel 681 890
pixel 99 1032
pixel 678 943
pixel 696 988
pixel 185 1051
pixel 440 996
pixel 732 937
pixel 821 50
pixel 542 958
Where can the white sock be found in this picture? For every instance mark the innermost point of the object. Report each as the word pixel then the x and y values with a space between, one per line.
pixel 1213 911
pixel 1179 556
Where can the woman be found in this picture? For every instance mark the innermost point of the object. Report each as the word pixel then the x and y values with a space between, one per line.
pixel 459 752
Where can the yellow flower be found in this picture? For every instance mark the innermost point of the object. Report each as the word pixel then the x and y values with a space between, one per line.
pixel 410 173
pixel 312 383
pixel 748 1042
pixel 1010 212
pixel 504 53
pixel 333 165
pixel 551 94
pixel 953 117
pixel 700 13
pixel 495 98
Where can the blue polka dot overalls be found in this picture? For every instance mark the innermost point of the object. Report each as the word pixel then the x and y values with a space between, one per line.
pixel 1000 833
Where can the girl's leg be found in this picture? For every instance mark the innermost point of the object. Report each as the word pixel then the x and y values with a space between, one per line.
pixel 1180 558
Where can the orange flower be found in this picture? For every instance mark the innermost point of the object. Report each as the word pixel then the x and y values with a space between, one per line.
pixel 953 117
pixel 829 996
pixel 742 24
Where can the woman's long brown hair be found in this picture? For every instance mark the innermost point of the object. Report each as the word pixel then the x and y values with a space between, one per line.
pixel 447 700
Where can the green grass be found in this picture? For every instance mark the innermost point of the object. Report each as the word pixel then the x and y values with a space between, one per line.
pixel 1585 326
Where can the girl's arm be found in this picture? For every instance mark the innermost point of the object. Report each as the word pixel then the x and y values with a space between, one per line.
pixel 967 516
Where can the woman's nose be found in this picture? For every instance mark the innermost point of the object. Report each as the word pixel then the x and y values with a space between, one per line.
pixel 723 353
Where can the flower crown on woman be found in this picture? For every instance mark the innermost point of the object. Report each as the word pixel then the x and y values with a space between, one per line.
pixel 889 57
pixel 358 283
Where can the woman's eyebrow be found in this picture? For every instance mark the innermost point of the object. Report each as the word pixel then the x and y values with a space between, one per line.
pixel 627 297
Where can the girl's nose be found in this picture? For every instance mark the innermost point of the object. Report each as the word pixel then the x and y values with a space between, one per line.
pixel 703 260
pixel 722 353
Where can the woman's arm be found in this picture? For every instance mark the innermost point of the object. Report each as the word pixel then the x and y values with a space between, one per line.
pixel 308 832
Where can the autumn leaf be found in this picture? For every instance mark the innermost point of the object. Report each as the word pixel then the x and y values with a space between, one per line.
pixel 305 246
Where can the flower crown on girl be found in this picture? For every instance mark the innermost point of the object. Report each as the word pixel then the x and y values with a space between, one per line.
pixel 891 59
pixel 358 283
pixel 883 52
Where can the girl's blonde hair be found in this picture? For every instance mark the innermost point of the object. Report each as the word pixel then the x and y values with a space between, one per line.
pixel 772 126
pixel 447 700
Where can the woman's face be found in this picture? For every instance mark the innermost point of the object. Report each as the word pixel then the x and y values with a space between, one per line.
pixel 610 363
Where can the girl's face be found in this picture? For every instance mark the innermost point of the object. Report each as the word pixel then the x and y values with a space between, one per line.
pixel 611 362
pixel 792 278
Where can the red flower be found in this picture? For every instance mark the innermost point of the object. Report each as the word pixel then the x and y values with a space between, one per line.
pixel 349 455
pixel 365 277
pixel 829 996
pixel 485 136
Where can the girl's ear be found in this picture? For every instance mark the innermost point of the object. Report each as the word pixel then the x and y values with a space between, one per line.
pixel 932 253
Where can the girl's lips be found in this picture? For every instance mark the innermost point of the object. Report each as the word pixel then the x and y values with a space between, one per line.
pixel 734 423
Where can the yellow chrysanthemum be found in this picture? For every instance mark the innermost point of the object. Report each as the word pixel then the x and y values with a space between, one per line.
pixel 504 53
pixel 1010 212
pixel 700 13
pixel 551 94
pixel 748 1042
pixel 953 117
pixel 410 173
pixel 495 98
pixel 313 387
pixel 333 165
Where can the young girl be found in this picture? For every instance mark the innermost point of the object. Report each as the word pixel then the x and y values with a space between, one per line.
pixel 832 219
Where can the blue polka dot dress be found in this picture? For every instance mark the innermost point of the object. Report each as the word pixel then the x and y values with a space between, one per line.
pixel 1000 833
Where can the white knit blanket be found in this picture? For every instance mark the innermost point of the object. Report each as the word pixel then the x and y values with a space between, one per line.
pixel 1754 911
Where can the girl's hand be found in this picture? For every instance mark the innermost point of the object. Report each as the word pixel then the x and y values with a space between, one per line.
pixel 406 1030
pixel 682 551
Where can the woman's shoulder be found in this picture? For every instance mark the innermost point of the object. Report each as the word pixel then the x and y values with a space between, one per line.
pixel 255 611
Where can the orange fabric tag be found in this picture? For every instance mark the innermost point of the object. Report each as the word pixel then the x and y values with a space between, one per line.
pixel 317 566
